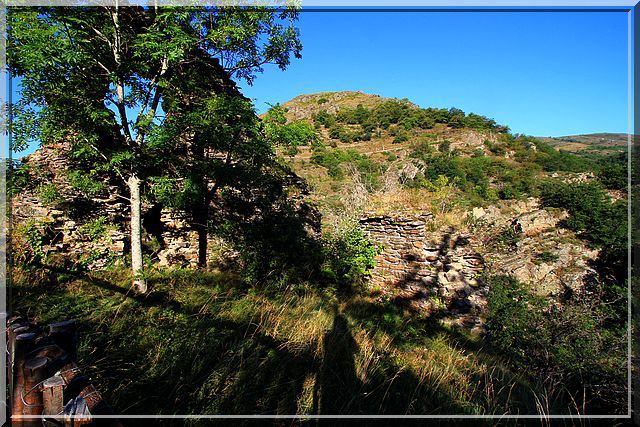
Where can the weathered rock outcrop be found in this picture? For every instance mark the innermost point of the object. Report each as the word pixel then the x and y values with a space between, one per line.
pixel 544 255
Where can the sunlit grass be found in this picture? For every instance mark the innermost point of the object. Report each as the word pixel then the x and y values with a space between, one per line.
pixel 201 342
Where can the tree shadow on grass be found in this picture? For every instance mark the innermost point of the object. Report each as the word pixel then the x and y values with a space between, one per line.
pixel 165 357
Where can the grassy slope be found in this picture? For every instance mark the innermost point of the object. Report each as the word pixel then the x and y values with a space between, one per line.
pixel 329 193
pixel 199 343
pixel 601 143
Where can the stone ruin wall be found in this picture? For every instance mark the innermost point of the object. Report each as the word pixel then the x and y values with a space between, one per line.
pixel 428 271
pixel 176 241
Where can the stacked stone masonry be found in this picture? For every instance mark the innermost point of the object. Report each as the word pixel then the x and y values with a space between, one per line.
pixel 176 242
pixel 428 271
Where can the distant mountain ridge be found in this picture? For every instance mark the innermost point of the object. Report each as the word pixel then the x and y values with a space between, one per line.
pixel 601 142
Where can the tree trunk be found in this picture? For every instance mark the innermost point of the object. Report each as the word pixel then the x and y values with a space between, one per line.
pixel 201 218
pixel 139 282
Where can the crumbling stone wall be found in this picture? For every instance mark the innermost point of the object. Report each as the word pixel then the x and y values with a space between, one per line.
pixel 65 224
pixel 428 271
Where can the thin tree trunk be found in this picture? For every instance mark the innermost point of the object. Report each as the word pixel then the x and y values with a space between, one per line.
pixel 201 218
pixel 139 282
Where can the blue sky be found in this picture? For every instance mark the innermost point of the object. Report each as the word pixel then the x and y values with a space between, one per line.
pixel 541 73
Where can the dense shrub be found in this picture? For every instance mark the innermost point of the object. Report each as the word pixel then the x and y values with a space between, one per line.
pixel 404 115
pixel 18 178
pixel 553 160
pixel 400 138
pixel 566 343
pixel 349 255
pixel 323 118
pixel 332 160
pixel 340 132
pixel 27 241
pixel 49 194
pixel 84 183
pixel 590 212
pixel 613 174
pixel 290 135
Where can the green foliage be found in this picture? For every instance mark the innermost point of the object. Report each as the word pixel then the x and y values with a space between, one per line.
pixel 444 147
pixel 18 178
pixel 95 229
pixel 570 342
pixel 613 173
pixel 334 160
pixel 289 135
pixel 421 150
pixel 495 149
pixel 84 183
pixel 515 319
pixel 323 118
pixel 349 255
pixel 276 115
pixel 124 87
pixel 400 138
pixel 507 239
pixel 474 175
pixel 49 194
pixel 546 256
pixel 86 259
pixel 183 194
pixel 340 132
pixel 591 212
pixel 553 160
pixel 322 100
pixel 395 115
pixel 27 241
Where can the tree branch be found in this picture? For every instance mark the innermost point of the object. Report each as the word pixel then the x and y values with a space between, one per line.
pixel 156 100
pixel 124 121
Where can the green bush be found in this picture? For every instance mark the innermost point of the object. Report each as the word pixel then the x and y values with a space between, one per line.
pixel 323 118
pixel 514 320
pixel 590 212
pixel 333 159
pixel 614 176
pixel 444 147
pixel 83 183
pixel 49 194
pixel 27 241
pixel 553 160
pixel 349 255
pixel 546 256
pixel 94 230
pixel 18 178
pixel 570 342
pixel 402 137
pixel 290 135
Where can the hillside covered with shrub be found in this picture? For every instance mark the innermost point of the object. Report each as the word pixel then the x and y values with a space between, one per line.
pixel 285 318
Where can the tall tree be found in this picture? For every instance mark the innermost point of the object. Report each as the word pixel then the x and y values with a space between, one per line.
pixel 97 77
